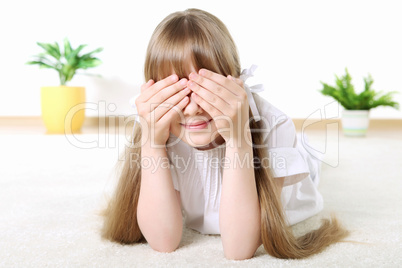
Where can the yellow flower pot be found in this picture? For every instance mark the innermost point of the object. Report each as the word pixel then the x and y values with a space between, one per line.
pixel 63 109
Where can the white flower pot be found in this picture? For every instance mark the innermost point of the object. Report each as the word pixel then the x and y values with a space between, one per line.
pixel 355 122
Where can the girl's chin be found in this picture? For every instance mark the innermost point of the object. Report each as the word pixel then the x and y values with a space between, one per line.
pixel 197 143
pixel 203 143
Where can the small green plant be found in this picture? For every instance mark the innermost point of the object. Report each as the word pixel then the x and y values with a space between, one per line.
pixel 66 62
pixel 345 94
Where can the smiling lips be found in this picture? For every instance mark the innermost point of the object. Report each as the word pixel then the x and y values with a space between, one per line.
pixel 197 125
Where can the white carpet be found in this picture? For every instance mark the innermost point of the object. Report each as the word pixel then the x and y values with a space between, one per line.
pixel 51 192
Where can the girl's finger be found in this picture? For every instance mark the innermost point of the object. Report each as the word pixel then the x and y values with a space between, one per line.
pixel 158 86
pixel 168 92
pixel 213 99
pixel 174 112
pixel 236 80
pixel 161 109
pixel 222 80
pixel 209 108
pixel 147 85
pixel 212 86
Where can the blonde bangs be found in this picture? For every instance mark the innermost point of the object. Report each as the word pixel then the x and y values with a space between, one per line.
pixel 185 40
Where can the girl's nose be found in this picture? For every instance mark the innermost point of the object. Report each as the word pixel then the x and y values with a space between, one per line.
pixel 192 108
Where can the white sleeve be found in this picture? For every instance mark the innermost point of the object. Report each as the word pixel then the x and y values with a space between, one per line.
pixel 285 160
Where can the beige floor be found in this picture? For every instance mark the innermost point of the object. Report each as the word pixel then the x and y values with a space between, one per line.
pixel 52 188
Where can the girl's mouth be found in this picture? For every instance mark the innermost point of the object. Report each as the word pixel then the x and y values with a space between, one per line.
pixel 197 125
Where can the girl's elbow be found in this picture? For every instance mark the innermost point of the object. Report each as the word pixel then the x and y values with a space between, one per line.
pixel 241 249
pixel 165 244
pixel 164 248
pixel 239 254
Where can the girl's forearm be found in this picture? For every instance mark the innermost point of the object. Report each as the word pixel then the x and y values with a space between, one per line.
pixel 159 213
pixel 239 210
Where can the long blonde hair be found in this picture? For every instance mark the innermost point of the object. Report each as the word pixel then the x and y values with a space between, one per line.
pixel 197 38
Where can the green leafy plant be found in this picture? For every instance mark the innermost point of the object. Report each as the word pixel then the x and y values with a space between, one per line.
pixel 345 94
pixel 65 62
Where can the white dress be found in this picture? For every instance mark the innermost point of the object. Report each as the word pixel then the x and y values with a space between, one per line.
pixel 197 174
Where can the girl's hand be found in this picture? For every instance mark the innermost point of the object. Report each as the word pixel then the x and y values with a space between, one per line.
pixel 158 105
pixel 225 99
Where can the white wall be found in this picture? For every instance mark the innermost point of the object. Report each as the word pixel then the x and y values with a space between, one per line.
pixel 295 43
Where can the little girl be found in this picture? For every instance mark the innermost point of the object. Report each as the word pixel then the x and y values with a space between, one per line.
pixel 207 148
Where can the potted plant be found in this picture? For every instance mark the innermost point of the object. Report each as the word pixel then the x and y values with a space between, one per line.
pixel 355 116
pixel 57 101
